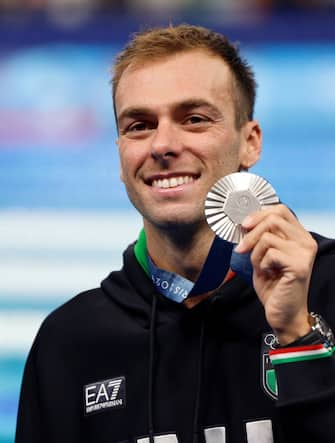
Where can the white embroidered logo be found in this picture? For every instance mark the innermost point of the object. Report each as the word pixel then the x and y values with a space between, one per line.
pixel 105 394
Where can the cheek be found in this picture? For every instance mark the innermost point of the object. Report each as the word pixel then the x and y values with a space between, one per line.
pixel 225 158
pixel 121 174
pixel 131 161
pixel 122 166
pixel 125 170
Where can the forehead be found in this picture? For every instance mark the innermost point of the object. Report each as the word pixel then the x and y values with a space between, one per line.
pixel 194 73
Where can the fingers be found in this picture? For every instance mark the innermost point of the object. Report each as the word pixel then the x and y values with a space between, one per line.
pixel 274 255
pixel 277 242
pixel 281 210
pixel 277 220
pixel 282 253
pixel 269 253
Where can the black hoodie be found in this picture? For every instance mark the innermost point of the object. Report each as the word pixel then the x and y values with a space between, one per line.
pixel 121 363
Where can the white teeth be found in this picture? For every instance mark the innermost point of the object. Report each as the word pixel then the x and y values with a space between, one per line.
pixel 172 182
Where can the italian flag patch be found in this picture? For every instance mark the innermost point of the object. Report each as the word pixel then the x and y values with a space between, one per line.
pixel 300 353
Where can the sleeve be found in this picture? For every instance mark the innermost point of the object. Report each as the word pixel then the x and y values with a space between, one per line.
pixel 306 374
pixel 29 427
pixel 306 399
pixel 51 396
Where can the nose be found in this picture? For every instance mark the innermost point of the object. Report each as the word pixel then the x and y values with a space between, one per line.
pixel 165 142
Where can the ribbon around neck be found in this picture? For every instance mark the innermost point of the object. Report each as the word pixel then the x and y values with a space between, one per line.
pixel 220 258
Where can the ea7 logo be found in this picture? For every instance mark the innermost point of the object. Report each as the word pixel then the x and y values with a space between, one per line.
pixel 105 394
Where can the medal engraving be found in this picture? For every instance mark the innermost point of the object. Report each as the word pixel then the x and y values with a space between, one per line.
pixel 239 204
pixel 232 198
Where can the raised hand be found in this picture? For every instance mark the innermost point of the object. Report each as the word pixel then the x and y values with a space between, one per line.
pixel 282 255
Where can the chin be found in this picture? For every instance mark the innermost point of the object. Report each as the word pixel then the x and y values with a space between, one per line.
pixel 179 223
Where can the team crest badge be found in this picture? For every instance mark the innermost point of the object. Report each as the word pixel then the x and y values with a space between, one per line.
pixel 269 380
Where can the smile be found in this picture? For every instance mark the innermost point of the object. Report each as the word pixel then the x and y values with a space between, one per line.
pixel 172 182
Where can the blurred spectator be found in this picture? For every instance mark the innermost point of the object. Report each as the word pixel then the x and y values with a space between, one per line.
pixel 166 6
pixel 160 7
pixel 70 12
pixel 301 5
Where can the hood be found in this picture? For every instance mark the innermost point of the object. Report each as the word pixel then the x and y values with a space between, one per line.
pixel 132 290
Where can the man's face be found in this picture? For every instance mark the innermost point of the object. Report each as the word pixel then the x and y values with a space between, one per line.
pixel 177 135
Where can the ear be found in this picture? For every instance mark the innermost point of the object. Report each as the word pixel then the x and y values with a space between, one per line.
pixel 121 169
pixel 251 146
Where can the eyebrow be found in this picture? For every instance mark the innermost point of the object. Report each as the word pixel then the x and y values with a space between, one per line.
pixel 133 112
pixel 186 105
pixel 197 103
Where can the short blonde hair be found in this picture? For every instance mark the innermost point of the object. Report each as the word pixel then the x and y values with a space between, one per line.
pixel 157 43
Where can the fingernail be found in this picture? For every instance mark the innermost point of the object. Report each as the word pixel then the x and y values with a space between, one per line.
pixel 247 221
pixel 239 247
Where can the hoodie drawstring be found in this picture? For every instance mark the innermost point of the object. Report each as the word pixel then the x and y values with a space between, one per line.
pixel 195 430
pixel 199 383
pixel 151 367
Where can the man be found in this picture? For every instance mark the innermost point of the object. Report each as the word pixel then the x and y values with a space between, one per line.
pixel 142 358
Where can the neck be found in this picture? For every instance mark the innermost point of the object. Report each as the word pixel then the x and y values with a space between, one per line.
pixel 180 251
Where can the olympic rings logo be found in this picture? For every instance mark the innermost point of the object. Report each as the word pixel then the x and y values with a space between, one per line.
pixel 271 341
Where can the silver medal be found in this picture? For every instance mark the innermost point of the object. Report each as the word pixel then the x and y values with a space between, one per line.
pixel 232 198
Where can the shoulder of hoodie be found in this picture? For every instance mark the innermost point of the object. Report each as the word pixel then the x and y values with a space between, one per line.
pixel 82 314
pixel 326 250
pixel 322 285
pixel 91 311
pixel 73 315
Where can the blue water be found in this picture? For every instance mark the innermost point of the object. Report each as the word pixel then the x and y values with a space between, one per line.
pixel 11 369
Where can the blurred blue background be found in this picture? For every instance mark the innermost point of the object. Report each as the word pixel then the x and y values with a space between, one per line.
pixel 64 215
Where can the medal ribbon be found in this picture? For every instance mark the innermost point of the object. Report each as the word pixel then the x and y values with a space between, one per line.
pixel 220 258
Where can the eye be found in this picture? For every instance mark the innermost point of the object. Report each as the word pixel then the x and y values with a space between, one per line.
pixel 195 119
pixel 138 126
